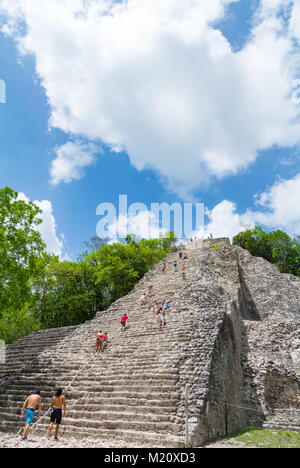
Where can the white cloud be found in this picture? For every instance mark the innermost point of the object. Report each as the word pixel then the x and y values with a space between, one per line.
pixel 55 242
pixel 282 203
pixel 155 78
pixel 70 162
pixel 143 224
pixel 224 221
pixel 279 209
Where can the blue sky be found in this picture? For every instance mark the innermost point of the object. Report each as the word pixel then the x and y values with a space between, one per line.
pixel 35 123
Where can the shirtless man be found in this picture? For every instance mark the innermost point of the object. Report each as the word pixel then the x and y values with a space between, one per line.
pixel 57 404
pixel 28 411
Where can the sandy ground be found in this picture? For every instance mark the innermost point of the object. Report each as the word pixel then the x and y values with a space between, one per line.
pixel 35 441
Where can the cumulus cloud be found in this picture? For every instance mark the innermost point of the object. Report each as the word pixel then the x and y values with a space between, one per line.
pixel 160 81
pixel 55 242
pixel 225 221
pixel 70 162
pixel 278 208
pixel 143 224
pixel 282 202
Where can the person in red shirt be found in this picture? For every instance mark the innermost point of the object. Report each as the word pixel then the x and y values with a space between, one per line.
pixel 99 342
pixel 123 321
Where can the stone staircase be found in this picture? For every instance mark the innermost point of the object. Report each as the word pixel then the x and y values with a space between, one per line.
pixel 21 354
pixel 133 391
pixel 225 359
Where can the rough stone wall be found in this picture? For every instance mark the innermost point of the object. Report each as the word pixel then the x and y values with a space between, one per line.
pixel 272 342
pixel 248 325
pixel 276 296
pixel 221 413
pixel 217 388
pixel 239 361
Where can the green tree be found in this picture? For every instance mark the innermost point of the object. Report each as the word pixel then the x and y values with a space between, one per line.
pixel 66 294
pixel 120 266
pixel 169 239
pixel 276 247
pixel 21 247
pixel 256 241
pixel 18 323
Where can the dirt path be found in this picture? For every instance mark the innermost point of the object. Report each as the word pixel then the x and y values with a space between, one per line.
pixel 12 441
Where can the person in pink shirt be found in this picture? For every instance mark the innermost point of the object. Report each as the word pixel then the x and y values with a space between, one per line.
pixel 123 321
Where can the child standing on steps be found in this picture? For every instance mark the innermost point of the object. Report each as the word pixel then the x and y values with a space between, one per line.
pixel 144 299
pixel 163 320
pixel 105 339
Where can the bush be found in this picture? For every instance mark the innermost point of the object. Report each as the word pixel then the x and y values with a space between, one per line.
pixel 276 246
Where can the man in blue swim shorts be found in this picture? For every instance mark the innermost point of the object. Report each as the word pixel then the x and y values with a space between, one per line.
pixel 28 411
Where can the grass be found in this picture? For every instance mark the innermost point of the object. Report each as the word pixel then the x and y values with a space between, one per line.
pixel 267 438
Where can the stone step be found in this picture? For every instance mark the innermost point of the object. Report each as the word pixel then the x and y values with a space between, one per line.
pixel 281 425
pixel 105 422
pixel 138 439
pixel 116 393
pixel 132 391
pixel 98 388
pixel 95 409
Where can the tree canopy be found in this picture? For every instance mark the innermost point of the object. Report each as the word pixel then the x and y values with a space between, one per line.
pixel 39 291
pixel 21 248
pixel 276 246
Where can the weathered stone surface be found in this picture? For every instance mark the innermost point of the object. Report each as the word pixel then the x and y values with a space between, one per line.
pixel 229 355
